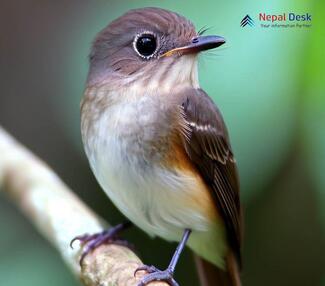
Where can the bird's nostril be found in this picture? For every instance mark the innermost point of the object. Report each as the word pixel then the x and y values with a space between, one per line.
pixel 195 40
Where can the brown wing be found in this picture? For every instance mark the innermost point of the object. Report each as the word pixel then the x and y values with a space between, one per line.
pixel 207 145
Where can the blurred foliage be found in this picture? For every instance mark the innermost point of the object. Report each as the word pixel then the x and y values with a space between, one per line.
pixel 268 83
pixel 313 106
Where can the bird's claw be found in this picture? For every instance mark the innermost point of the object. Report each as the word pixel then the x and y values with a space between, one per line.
pixel 83 239
pixel 147 268
pixel 91 242
pixel 155 274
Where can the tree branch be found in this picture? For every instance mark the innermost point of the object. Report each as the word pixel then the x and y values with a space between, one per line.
pixel 60 216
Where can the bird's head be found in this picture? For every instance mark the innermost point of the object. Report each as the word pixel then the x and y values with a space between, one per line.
pixel 150 46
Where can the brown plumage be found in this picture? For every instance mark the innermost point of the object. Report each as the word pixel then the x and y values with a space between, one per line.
pixel 112 49
pixel 208 148
pixel 158 144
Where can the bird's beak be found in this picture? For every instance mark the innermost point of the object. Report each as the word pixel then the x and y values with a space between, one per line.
pixel 198 44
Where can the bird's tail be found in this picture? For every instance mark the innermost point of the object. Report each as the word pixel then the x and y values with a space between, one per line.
pixel 210 275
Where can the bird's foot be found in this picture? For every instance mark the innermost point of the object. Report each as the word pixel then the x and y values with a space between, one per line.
pixel 155 274
pixel 91 242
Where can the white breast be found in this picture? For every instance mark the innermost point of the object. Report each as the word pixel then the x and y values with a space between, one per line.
pixel 127 167
pixel 124 144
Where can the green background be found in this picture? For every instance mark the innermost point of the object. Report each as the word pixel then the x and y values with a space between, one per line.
pixel 269 85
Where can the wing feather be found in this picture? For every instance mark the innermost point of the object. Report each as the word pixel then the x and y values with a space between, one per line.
pixel 207 145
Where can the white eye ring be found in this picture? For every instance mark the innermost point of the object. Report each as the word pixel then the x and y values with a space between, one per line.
pixel 137 37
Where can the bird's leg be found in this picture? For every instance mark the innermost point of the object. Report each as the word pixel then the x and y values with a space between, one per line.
pixel 109 236
pixel 155 274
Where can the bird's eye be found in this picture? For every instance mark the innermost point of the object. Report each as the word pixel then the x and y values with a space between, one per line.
pixel 145 45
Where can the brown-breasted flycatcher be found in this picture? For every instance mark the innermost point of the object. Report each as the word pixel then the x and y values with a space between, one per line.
pixel 158 145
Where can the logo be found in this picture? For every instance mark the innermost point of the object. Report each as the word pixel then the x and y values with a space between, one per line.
pixel 247 20
pixel 285 20
pixel 279 20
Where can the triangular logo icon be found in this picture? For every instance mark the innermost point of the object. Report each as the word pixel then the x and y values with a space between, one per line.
pixel 247 20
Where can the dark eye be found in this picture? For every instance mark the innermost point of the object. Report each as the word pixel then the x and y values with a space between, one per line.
pixel 146 45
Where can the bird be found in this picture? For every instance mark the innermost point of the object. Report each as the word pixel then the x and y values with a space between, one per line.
pixel 158 145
